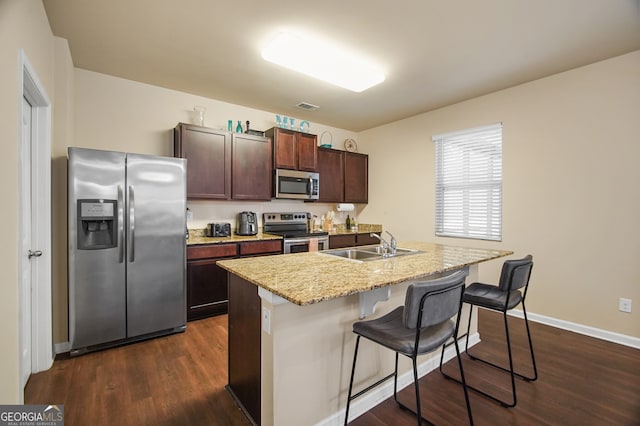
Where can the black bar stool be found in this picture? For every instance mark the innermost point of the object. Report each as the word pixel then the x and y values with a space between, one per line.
pixel 510 292
pixel 419 327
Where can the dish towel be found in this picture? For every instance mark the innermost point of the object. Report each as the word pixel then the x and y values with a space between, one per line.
pixel 313 244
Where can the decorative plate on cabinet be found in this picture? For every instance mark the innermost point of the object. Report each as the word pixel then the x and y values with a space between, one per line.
pixel 350 145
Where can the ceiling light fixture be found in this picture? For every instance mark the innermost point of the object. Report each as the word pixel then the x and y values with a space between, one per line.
pixel 321 61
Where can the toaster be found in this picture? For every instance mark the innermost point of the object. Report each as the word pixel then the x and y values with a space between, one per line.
pixel 218 230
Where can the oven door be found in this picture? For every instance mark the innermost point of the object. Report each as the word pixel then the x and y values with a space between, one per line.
pixel 305 244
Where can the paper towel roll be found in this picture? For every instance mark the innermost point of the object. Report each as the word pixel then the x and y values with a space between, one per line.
pixel 342 207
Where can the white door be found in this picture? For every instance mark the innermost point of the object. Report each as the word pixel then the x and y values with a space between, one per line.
pixel 35 329
pixel 26 242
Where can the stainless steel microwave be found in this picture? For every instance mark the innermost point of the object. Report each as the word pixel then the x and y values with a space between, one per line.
pixel 297 185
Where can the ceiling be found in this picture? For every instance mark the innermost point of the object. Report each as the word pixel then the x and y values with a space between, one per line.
pixel 434 53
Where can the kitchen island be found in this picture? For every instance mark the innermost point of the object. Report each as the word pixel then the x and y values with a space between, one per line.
pixel 290 319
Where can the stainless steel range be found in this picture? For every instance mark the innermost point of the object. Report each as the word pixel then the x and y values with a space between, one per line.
pixel 293 228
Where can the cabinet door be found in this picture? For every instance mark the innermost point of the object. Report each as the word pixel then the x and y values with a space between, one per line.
pixel 307 152
pixel 366 239
pixel 206 289
pixel 339 241
pixel 331 170
pixel 356 178
pixel 285 148
pixel 208 154
pixel 252 173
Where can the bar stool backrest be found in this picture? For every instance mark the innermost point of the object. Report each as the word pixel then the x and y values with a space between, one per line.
pixel 438 299
pixel 515 273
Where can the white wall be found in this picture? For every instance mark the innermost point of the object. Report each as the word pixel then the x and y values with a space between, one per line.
pixel 571 176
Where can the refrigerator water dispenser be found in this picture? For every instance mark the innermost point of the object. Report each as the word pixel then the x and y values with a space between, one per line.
pixel 97 224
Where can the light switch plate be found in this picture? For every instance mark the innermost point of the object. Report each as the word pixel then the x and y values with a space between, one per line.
pixel 624 305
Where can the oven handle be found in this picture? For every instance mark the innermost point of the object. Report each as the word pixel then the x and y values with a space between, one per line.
pixel 296 240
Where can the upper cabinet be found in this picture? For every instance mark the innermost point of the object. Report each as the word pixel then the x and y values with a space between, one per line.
pixel 208 154
pixel 223 165
pixel 331 170
pixel 294 150
pixel 252 174
pixel 344 176
pixel 356 178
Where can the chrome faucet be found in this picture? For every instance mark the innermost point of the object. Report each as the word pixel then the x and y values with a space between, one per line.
pixel 387 247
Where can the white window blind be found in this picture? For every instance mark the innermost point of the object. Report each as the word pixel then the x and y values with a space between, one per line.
pixel 469 183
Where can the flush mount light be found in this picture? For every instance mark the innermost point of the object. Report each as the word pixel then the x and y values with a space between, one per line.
pixel 322 61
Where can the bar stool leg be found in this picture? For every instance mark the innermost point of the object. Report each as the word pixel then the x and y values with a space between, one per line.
pixel 353 370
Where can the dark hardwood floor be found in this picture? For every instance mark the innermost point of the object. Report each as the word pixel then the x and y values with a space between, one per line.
pixel 179 380
pixel 172 380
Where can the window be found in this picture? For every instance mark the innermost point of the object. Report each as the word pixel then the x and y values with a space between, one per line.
pixel 469 183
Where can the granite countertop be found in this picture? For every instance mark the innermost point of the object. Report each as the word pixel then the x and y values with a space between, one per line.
pixel 363 228
pixel 306 278
pixel 197 237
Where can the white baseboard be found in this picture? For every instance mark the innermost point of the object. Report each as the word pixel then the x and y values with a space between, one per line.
pixel 598 333
pixel 383 392
pixel 62 347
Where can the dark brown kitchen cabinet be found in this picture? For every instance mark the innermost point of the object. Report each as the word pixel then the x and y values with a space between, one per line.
pixel 208 154
pixel 342 240
pixel 260 248
pixel 331 170
pixel 251 168
pixel 344 176
pixel 206 281
pixel 366 239
pixel 351 240
pixel 294 150
pixel 356 178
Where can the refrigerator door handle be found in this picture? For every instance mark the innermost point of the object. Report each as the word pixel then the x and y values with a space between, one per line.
pixel 120 225
pixel 132 225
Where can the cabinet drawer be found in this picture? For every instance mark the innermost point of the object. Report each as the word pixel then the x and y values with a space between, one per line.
pixel 260 247
pixel 214 250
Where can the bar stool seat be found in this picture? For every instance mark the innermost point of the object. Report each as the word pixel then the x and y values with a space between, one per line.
pixel 490 296
pixel 419 327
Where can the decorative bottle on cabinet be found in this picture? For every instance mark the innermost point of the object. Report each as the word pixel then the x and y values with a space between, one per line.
pixel 239 127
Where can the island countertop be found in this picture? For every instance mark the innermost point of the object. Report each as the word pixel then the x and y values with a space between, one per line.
pixel 306 278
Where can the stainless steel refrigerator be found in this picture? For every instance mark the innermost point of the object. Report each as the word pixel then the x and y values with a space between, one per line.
pixel 126 268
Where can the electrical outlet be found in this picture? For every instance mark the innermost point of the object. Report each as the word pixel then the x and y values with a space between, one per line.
pixel 624 305
pixel 266 320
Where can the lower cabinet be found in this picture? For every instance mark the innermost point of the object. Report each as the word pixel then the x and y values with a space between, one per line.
pixel 351 240
pixel 207 283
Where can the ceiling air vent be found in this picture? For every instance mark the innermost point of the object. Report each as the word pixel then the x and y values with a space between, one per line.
pixel 307 106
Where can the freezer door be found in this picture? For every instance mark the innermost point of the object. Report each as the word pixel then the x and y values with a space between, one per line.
pixel 97 290
pixel 156 225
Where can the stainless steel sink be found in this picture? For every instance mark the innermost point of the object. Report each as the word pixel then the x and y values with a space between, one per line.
pixel 378 250
pixel 353 254
pixel 368 253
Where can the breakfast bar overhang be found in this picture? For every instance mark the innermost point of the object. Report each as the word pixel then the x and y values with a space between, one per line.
pixel 290 320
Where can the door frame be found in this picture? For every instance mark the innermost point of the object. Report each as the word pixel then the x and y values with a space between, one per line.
pixel 32 89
